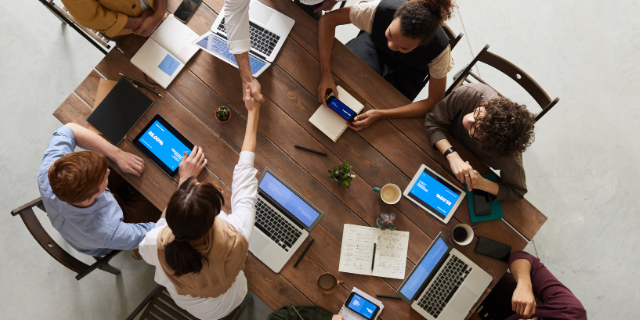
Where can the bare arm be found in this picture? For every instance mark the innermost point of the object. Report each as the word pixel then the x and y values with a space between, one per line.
pixel 253 107
pixel 89 140
pixel 247 77
pixel 523 301
pixel 326 36
pixel 464 172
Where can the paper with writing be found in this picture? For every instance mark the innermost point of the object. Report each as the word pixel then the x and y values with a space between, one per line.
pixel 357 251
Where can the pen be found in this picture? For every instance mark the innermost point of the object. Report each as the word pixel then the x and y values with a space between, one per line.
pixel 374 256
pixel 388 297
pixel 307 149
pixel 157 94
pixel 294 309
pixel 138 81
pixel 303 252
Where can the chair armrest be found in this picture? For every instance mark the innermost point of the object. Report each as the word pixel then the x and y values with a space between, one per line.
pixel 99 263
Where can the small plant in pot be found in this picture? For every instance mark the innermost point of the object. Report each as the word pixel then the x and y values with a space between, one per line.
pixel 223 114
pixel 342 173
pixel 387 220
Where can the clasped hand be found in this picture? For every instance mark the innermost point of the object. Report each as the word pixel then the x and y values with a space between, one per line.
pixel 464 172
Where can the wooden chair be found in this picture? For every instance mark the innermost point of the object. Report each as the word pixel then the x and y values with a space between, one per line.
pixel 510 70
pixel 161 306
pixel 48 244
pixel 96 38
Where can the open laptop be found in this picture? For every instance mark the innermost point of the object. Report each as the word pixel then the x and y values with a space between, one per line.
pixel 268 29
pixel 445 284
pixel 283 221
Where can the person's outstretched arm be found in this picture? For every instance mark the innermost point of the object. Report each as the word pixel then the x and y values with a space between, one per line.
pixel 326 36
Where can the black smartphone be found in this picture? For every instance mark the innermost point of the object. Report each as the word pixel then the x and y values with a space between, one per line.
pixel 341 108
pixel 186 9
pixel 493 249
pixel 362 306
pixel 481 203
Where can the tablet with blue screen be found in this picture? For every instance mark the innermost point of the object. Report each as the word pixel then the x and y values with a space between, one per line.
pixel 217 46
pixel 434 193
pixel 163 144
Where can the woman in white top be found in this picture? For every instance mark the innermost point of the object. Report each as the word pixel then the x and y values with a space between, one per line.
pixel 199 250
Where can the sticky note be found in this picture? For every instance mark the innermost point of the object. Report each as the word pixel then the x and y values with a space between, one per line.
pixel 169 65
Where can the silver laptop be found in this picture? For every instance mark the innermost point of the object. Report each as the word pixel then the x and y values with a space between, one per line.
pixel 445 284
pixel 217 46
pixel 283 221
pixel 268 29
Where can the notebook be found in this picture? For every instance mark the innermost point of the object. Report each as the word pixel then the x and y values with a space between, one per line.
pixel 166 52
pixel 349 314
pixel 356 254
pixel 123 106
pixel 329 122
pixel 496 206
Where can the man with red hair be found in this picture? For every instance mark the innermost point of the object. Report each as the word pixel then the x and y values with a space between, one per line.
pixel 94 209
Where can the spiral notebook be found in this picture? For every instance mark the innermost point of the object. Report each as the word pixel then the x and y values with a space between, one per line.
pixel 329 122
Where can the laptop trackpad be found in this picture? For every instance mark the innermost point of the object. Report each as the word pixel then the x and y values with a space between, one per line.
pixel 260 13
pixel 258 243
pixel 463 301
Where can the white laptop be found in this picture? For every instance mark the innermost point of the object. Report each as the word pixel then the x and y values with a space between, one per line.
pixel 445 284
pixel 434 193
pixel 283 221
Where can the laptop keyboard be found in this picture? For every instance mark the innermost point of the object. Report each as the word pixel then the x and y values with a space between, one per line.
pixel 262 40
pixel 272 224
pixel 444 286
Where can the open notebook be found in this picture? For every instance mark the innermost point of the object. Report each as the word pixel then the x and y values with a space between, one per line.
pixel 166 51
pixel 329 122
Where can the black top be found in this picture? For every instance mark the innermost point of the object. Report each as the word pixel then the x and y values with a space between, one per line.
pixel 419 57
pixel 119 111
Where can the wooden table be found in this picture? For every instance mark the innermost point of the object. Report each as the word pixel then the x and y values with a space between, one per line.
pixel 388 151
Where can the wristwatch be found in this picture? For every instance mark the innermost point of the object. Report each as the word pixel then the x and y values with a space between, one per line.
pixel 450 150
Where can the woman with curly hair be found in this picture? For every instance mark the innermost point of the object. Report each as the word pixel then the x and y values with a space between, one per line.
pixel 401 40
pixel 495 129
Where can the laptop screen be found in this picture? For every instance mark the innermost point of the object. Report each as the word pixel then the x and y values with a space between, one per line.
pixel 424 269
pixel 289 200
pixel 219 46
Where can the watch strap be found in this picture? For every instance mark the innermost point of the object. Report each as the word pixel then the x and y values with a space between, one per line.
pixel 448 151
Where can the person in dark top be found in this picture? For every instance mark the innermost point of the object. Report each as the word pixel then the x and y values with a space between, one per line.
pixel 401 40
pixel 530 291
pixel 493 128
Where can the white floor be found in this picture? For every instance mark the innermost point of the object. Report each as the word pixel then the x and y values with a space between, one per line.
pixel 581 169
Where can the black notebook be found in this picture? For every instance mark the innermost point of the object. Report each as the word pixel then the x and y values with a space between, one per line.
pixel 119 111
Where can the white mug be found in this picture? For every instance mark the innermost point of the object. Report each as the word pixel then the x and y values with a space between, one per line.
pixel 468 229
pixel 388 189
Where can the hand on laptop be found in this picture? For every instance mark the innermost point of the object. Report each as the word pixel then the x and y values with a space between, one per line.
pixel 191 164
pixel 326 83
pixel 523 301
pixel 129 163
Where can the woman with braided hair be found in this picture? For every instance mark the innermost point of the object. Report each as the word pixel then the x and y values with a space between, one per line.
pixel 401 40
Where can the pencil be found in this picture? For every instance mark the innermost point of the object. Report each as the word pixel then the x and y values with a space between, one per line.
pixel 303 252
pixel 388 297
pixel 157 94
pixel 310 150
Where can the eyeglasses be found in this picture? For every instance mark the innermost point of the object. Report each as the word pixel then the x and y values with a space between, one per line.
pixel 474 127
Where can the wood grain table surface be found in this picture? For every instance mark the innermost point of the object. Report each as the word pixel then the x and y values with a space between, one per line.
pixel 390 151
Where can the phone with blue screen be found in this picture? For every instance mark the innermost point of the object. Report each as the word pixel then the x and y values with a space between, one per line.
pixel 341 109
pixel 362 306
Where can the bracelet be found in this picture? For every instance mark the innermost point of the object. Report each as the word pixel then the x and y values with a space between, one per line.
pixel 450 150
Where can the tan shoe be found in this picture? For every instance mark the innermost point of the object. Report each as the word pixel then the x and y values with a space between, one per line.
pixel 135 254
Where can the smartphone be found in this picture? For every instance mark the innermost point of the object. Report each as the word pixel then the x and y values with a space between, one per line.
pixel 362 306
pixel 493 249
pixel 186 9
pixel 341 108
pixel 481 203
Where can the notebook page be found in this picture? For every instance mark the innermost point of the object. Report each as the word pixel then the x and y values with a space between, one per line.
pixel 391 254
pixel 177 38
pixel 157 63
pixel 356 254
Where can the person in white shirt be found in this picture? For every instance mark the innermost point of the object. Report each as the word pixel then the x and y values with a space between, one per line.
pixel 198 250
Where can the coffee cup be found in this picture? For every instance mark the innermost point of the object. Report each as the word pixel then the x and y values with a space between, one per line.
pixel 328 283
pixel 463 234
pixel 389 193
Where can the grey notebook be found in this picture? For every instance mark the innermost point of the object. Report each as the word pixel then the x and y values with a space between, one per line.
pixel 119 111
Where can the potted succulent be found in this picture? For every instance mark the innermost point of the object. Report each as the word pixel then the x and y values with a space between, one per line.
pixel 223 114
pixel 387 220
pixel 342 173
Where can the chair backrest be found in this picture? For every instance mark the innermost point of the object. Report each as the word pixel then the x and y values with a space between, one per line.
pixel 513 72
pixel 161 306
pixel 44 240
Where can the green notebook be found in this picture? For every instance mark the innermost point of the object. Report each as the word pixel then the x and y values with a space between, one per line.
pixel 496 206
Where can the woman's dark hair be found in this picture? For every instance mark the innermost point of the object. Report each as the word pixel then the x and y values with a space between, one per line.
pixel 506 128
pixel 420 19
pixel 190 214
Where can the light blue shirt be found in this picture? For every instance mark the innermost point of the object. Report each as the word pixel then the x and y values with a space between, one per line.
pixel 95 230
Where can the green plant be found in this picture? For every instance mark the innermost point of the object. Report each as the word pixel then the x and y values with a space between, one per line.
pixel 387 220
pixel 223 113
pixel 342 173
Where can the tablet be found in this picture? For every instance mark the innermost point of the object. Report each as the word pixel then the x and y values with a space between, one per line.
pixel 163 144
pixel 434 193
pixel 218 47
